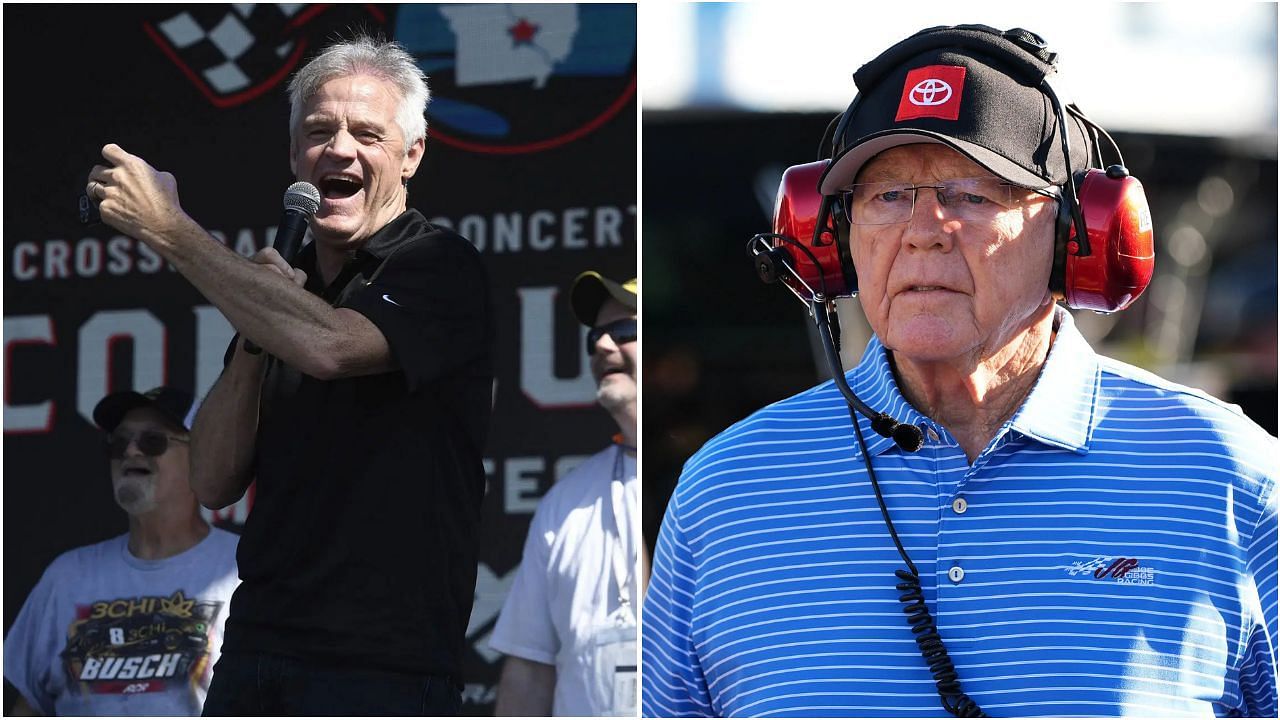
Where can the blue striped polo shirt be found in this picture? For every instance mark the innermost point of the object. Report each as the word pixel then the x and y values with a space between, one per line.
pixel 1111 552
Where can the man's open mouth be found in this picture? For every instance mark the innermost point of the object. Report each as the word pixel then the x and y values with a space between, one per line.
pixel 340 187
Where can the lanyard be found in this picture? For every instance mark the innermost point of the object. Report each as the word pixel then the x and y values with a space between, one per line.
pixel 623 571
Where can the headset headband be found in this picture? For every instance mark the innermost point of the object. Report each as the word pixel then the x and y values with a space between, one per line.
pixel 1025 52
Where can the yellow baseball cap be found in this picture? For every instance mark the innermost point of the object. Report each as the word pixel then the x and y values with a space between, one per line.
pixel 591 290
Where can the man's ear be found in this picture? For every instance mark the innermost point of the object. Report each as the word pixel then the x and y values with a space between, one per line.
pixel 293 156
pixel 412 158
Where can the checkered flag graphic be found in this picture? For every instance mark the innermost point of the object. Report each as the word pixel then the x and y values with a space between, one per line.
pixel 230 48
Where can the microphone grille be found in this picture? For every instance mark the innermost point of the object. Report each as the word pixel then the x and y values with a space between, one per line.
pixel 908 437
pixel 303 197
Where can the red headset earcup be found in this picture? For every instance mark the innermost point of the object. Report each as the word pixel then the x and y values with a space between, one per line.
pixel 796 216
pixel 1122 245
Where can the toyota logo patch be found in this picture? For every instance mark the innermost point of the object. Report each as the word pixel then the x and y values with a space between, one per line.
pixel 933 91
pixel 930 92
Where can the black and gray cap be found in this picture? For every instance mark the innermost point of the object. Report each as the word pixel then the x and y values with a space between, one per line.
pixel 173 403
pixel 980 91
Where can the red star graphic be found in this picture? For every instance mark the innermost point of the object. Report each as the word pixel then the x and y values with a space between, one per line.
pixel 522 32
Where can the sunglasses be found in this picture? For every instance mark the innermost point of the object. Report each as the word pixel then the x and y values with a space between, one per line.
pixel 151 443
pixel 622 331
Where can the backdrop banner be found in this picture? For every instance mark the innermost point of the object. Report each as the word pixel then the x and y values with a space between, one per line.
pixel 531 154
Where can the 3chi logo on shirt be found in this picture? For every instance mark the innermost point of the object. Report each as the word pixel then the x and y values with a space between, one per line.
pixel 139 644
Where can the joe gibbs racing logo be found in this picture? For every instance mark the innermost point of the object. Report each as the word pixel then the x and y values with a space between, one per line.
pixel 1127 571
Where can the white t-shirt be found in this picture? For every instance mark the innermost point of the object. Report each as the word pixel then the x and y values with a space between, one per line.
pixel 567 607
pixel 106 633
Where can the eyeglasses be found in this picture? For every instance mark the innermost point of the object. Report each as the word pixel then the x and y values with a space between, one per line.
pixel 622 331
pixel 151 443
pixel 968 199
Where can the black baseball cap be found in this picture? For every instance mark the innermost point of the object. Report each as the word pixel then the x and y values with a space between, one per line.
pixel 975 89
pixel 590 292
pixel 173 403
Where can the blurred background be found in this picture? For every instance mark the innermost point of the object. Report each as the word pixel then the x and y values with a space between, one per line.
pixel 733 94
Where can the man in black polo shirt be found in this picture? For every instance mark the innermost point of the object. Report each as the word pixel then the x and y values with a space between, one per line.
pixel 363 421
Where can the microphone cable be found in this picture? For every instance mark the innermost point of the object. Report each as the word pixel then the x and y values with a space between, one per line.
pixel 910 438
pixel 923 627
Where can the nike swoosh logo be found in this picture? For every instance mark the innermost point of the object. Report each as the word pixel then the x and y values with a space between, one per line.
pixel 387 297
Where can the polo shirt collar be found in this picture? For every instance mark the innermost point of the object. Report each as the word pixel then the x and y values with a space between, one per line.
pixel 381 244
pixel 1060 410
pixel 402 229
pixel 1062 407
pixel 873 382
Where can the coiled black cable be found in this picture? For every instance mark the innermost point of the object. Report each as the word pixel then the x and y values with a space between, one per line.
pixel 922 625
pixel 931 647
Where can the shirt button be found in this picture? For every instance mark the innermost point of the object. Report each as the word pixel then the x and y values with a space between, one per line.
pixel 956 574
pixel 959 505
pixel 928 430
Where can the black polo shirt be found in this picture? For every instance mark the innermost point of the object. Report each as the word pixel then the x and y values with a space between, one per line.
pixel 360 549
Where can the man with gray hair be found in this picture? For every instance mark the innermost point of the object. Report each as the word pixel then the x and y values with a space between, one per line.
pixel 363 423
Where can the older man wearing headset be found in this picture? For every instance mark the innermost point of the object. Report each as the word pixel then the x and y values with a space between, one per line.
pixel 1029 528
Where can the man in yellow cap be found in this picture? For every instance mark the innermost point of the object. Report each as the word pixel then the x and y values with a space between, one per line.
pixel 568 627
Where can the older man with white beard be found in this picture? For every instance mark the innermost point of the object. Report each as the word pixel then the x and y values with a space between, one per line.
pixel 568 627
pixel 131 625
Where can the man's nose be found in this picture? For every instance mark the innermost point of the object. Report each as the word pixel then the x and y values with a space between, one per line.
pixel 930 224
pixel 342 144
pixel 132 448
pixel 605 344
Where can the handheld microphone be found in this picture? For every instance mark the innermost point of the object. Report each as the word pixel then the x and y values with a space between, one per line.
pixel 301 201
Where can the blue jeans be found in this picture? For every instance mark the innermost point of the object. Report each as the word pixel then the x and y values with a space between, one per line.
pixel 270 685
